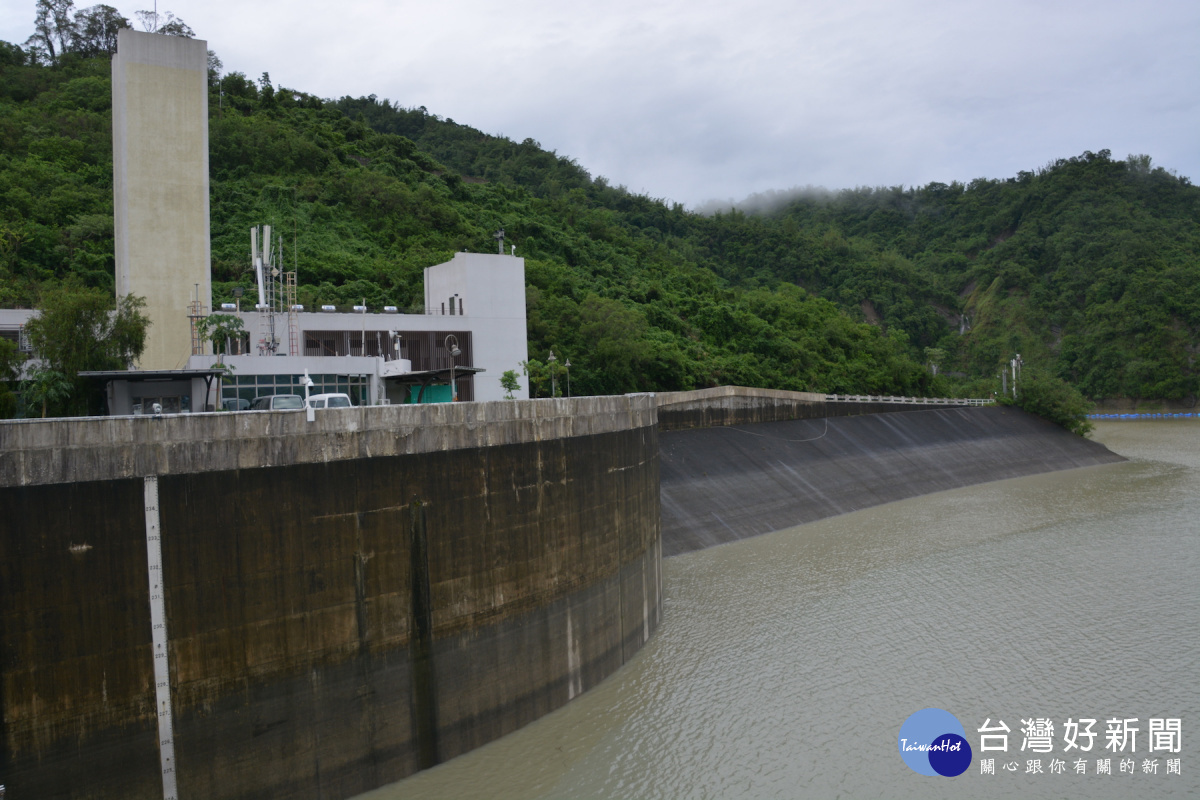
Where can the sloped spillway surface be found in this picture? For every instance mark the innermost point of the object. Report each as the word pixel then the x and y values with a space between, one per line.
pixel 722 484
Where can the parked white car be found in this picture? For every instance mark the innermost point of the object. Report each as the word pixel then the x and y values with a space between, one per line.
pixel 334 400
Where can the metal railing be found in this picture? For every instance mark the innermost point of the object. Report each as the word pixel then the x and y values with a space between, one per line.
pixel 917 401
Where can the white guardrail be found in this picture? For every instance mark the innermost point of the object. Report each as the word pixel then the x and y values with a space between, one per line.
pixel 917 401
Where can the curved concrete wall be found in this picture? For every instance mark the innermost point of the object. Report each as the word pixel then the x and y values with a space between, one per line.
pixel 721 484
pixel 347 601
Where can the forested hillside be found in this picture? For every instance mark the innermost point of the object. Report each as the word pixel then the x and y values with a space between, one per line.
pixel 1088 267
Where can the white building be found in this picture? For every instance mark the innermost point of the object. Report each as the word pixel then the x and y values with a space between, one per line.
pixel 376 355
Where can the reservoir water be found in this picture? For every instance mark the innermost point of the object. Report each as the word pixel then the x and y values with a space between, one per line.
pixel 787 663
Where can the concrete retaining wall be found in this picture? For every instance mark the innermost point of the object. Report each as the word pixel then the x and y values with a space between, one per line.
pixel 347 600
pixel 720 484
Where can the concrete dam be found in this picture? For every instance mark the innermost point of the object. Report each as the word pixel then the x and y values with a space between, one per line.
pixel 254 605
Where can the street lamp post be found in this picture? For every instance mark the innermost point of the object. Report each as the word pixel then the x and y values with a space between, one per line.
pixel 567 364
pixel 553 383
pixel 452 346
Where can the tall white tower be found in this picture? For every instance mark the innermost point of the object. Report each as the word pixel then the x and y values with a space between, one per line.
pixel 160 185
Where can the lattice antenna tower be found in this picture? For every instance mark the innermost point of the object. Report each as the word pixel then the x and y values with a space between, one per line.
pixel 197 313
pixel 289 293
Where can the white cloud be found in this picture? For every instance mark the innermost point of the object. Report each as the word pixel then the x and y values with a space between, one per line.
pixel 695 100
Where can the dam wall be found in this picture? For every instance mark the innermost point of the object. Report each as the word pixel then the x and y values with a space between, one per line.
pixel 728 482
pixel 339 602
pixel 258 605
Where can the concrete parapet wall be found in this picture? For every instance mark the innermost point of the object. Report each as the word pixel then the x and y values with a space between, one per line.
pixel 34 452
pixel 346 601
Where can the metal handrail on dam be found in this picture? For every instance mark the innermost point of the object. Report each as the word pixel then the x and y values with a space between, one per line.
pixel 738 405
pixel 918 401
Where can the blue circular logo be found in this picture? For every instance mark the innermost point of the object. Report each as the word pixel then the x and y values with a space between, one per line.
pixel 933 742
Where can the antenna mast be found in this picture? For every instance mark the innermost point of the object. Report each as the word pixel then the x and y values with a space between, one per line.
pixel 261 253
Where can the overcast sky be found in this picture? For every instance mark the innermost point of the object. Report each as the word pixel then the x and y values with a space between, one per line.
pixel 691 100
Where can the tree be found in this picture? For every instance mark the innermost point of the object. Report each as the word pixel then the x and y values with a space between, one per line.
pixel 10 370
pixel 174 26
pixel 82 329
pixel 96 30
pixel 1054 400
pixel 89 32
pixel 220 329
pixel 619 340
pixel 165 23
pixel 539 375
pixel 46 389
pixel 11 55
pixel 214 68
pixel 543 375
pixel 53 29
pixel 509 383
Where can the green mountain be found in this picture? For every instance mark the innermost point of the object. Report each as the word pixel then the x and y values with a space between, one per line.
pixel 1087 267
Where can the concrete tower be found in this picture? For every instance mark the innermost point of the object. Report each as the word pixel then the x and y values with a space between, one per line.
pixel 160 185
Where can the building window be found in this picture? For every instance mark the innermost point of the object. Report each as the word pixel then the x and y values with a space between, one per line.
pixel 249 387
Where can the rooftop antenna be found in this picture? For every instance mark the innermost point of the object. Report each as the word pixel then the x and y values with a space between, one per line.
pixel 499 237
pixel 256 263
pixel 261 254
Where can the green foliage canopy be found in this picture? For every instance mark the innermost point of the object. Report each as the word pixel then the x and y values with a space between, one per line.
pixel 79 329
pixel 1089 266
pixel 1053 399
